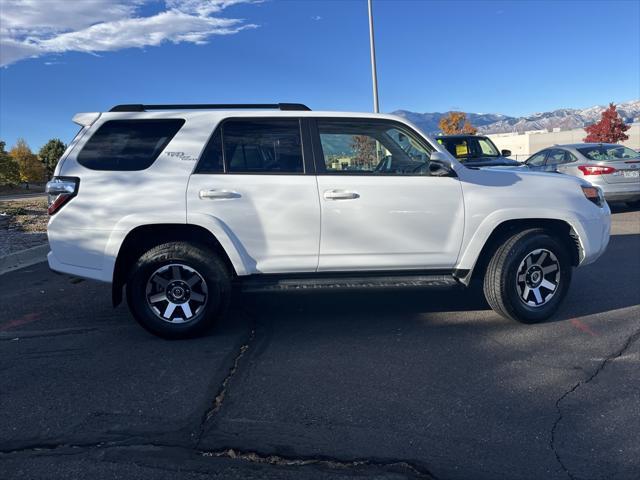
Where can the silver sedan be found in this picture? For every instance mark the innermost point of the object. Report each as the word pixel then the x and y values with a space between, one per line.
pixel 614 168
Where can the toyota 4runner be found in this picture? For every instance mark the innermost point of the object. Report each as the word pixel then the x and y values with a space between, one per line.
pixel 178 204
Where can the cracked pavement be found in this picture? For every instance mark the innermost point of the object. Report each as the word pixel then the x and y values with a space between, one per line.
pixel 408 384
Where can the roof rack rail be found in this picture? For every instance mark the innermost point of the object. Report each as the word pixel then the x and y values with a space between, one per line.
pixel 138 107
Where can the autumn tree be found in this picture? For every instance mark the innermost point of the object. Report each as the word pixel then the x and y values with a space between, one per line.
pixel 9 171
pixel 610 128
pixel 31 169
pixel 455 123
pixel 364 148
pixel 50 153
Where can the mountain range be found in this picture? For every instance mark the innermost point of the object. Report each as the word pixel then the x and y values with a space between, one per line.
pixel 564 119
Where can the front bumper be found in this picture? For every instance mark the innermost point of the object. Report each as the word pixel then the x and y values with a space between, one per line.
pixel 594 233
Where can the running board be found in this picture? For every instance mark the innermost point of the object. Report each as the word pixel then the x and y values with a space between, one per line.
pixel 265 283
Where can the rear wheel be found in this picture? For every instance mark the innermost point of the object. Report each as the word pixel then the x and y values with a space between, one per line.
pixel 178 290
pixel 528 276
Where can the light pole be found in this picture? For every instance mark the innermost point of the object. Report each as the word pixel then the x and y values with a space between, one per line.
pixel 374 75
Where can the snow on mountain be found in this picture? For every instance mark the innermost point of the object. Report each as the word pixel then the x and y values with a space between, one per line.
pixel 564 118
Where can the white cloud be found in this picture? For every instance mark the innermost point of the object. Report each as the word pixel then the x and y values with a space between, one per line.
pixel 28 29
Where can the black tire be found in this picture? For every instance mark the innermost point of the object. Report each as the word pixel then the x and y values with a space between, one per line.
pixel 212 285
pixel 508 274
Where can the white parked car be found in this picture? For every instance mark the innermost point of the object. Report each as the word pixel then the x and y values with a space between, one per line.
pixel 180 203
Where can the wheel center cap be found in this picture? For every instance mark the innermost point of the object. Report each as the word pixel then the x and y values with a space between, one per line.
pixel 534 276
pixel 178 292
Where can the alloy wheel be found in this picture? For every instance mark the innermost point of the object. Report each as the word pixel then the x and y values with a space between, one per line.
pixel 176 293
pixel 538 277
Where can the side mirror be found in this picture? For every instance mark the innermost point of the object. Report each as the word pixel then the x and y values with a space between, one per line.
pixel 440 166
pixel 506 153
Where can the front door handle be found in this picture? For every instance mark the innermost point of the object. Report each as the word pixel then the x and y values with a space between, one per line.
pixel 218 194
pixel 340 195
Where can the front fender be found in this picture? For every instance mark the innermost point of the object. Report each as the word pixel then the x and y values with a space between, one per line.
pixel 472 247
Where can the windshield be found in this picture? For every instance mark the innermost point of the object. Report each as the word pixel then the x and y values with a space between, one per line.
pixel 487 148
pixel 469 149
pixel 608 153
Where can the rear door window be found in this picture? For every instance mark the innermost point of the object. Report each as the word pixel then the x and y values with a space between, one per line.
pixel 128 145
pixel 557 157
pixel 537 160
pixel 262 146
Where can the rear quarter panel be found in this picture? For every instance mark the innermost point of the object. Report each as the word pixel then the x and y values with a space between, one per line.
pixel 88 231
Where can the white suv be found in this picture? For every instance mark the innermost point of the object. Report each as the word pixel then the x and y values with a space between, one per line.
pixel 181 202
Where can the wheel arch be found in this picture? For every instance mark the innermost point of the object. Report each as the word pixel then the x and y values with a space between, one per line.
pixel 144 237
pixel 561 229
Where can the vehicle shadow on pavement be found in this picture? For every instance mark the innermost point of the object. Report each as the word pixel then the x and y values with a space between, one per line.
pixel 609 284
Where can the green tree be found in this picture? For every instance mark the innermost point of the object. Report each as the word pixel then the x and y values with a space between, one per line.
pixel 9 171
pixel 31 169
pixel 50 153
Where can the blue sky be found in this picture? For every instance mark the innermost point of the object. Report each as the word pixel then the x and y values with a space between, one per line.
pixel 511 57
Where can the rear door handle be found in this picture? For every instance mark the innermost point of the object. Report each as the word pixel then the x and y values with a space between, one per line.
pixel 218 194
pixel 340 195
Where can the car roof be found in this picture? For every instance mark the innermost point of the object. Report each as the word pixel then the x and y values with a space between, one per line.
pixel 248 113
pixel 581 145
pixel 460 135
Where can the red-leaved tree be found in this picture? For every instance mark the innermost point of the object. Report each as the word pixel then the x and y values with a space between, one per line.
pixel 610 128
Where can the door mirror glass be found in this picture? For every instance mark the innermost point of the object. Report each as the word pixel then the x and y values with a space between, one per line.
pixel 506 153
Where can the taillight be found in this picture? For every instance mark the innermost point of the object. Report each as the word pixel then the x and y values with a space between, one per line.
pixel 60 191
pixel 595 169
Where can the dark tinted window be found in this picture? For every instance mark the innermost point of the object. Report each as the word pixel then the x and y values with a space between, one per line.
pixel 262 146
pixel 458 147
pixel 211 159
pixel 128 144
pixel 467 148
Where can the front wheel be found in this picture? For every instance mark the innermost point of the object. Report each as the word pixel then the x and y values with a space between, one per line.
pixel 178 289
pixel 528 276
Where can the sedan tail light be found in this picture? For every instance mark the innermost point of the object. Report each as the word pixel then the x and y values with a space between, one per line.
pixel 60 190
pixel 595 169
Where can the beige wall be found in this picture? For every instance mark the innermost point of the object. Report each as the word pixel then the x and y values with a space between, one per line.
pixel 526 144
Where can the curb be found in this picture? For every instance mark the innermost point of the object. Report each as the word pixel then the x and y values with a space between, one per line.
pixel 23 258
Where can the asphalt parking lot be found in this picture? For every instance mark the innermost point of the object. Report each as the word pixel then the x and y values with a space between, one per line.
pixel 325 385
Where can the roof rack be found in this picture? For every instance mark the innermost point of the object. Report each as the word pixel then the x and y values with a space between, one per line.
pixel 138 107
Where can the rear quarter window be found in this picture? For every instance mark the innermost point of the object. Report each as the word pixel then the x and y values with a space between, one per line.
pixel 128 145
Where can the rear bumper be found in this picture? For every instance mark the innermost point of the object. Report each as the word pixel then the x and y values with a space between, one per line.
pixel 621 192
pixel 57 266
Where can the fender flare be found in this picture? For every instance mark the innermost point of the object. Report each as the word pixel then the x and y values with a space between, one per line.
pixel 472 248
pixel 231 245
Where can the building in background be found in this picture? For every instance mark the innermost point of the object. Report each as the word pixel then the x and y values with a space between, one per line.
pixel 523 145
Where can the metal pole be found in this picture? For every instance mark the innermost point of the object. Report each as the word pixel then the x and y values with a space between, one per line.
pixel 374 75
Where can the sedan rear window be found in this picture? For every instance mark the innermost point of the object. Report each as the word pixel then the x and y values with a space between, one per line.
pixel 128 145
pixel 608 153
